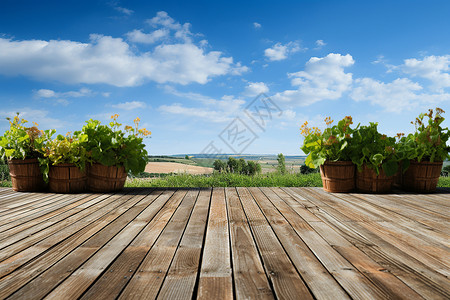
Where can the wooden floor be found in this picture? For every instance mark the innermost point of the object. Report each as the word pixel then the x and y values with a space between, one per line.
pixel 242 243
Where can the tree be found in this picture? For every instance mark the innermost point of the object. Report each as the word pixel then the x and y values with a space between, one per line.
pixel 233 166
pixel 219 165
pixel 186 157
pixel 304 169
pixel 242 166
pixel 253 168
pixel 281 164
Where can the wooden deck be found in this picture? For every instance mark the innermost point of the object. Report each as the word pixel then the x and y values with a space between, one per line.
pixel 242 243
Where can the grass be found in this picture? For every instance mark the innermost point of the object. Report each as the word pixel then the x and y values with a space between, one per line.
pixel 224 180
pixel 444 182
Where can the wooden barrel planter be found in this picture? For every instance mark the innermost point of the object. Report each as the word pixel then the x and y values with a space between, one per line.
pixel 66 178
pixel 105 179
pixel 26 175
pixel 338 176
pixel 422 176
pixel 368 181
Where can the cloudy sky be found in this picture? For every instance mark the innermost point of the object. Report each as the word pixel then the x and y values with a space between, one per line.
pixel 224 76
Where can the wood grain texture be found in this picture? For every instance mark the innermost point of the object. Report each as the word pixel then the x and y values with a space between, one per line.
pixel 224 243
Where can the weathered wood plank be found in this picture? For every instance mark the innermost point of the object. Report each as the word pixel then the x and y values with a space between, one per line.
pixel 63 268
pixel 250 279
pixel 215 275
pixel 146 282
pixel 34 268
pixel 117 275
pixel 353 281
pixel 418 276
pixel 233 243
pixel 286 282
pixel 181 277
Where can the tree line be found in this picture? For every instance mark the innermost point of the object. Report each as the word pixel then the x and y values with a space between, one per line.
pixel 238 166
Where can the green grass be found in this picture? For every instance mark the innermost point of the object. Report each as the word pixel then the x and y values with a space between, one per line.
pixel 444 182
pixel 225 180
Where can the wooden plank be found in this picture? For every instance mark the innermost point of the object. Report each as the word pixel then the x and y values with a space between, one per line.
pixel 386 282
pixel 413 226
pixel 147 281
pixel 343 271
pixel 250 279
pixel 51 216
pixel 286 282
pixel 29 251
pixel 415 274
pixel 215 276
pixel 29 241
pixel 182 275
pixel 84 258
pixel 34 268
pixel 45 202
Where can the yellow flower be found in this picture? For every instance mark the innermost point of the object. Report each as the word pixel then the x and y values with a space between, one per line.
pixel 115 116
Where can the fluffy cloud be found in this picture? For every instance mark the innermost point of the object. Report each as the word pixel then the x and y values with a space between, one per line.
pixel 213 110
pixel 255 88
pixel 397 96
pixel 433 68
pixel 280 51
pixel 109 60
pixel 182 31
pixel 323 78
pixel 320 44
pixel 130 105
pixel 46 93
pixel 137 36
pixel 256 25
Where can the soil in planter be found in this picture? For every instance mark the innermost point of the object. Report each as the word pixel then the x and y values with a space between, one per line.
pixel 105 179
pixel 26 175
pixel 422 177
pixel 338 176
pixel 368 181
pixel 66 178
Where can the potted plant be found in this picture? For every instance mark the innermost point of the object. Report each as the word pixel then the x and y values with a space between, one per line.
pixel 424 151
pixel 374 154
pixel 113 153
pixel 330 150
pixel 18 145
pixel 64 163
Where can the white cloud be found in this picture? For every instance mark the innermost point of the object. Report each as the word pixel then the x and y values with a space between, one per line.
pixel 46 93
pixel 323 78
pixel 320 44
pixel 433 68
pixel 280 51
pixel 256 25
pixel 35 115
pixel 131 105
pixel 182 31
pixel 124 10
pixel 255 88
pixel 397 96
pixel 204 114
pixel 110 60
pixel 137 36
pixel 212 110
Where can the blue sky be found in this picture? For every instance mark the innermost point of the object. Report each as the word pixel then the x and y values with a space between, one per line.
pixel 192 70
